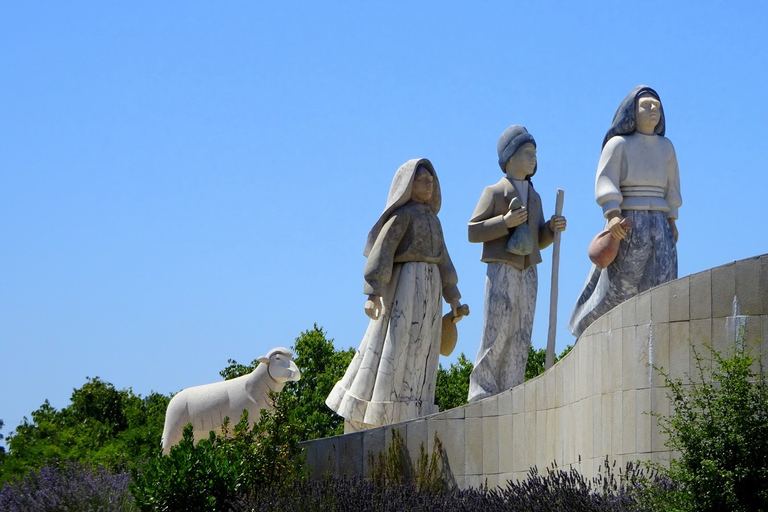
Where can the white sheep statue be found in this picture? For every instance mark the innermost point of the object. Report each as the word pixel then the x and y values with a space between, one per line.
pixel 207 405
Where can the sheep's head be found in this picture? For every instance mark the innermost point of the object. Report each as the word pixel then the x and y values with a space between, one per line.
pixel 281 366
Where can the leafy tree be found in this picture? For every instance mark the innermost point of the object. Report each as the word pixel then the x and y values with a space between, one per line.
pixel 101 426
pixel 452 387
pixel 321 367
pixel 720 428
pixel 536 361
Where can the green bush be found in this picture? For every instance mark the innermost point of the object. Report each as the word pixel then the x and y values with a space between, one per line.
pixel 224 469
pixel 720 428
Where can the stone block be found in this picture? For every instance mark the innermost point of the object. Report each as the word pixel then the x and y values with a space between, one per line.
pixel 586 375
pixel 374 442
pixel 567 383
pixel 505 445
pixel 597 366
pixel 491 480
pixel 701 295
pixel 325 458
pixel 350 455
pixel 517 459
pixel 607 362
pixel 615 318
pixel 660 354
pixel 474 410
pixel 451 433
pixel 541 390
pixel 491 446
pixel 416 438
pixel 615 359
pixel 644 420
pixel 660 405
pixel 586 447
pixel 530 395
pixel 701 331
pixel 679 300
pixel 752 332
pixel 660 304
pixel 629 313
pixel 567 433
pixel 598 428
pixel 607 422
pixel 764 338
pixel 550 389
pixel 679 352
pixel 763 290
pixel 617 411
pixel 643 308
pixel 539 441
pixel 641 352
pixel 629 422
pixel 531 433
pixel 723 290
pixel 490 406
pixel 474 481
pixel 504 403
pixel 518 400
pixel 748 286
pixel 455 413
pixel 721 337
pixel 473 443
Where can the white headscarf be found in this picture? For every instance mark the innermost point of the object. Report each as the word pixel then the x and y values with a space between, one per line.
pixel 400 193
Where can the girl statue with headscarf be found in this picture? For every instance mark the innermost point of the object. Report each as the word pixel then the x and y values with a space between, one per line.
pixel 637 178
pixel 392 376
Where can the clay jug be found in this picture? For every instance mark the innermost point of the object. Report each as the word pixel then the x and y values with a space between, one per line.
pixel 604 247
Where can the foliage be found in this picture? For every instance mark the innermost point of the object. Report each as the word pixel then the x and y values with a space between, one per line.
pixel 720 428
pixel 216 472
pixel 101 426
pixel 68 486
pixel 537 359
pixel 452 387
pixel 321 367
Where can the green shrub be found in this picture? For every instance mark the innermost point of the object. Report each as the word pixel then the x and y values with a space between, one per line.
pixel 224 469
pixel 720 428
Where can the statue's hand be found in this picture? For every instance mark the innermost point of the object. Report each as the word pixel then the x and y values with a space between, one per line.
pixel 617 230
pixel 514 218
pixel 675 233
pixel 459 311
pixel 373 307
pixel 557 223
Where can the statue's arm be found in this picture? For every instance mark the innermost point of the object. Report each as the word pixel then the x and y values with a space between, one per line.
pixel 378 267
pixel 608 179
pixel 484 225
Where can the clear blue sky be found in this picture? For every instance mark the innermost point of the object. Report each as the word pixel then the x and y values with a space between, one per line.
pixel 187 182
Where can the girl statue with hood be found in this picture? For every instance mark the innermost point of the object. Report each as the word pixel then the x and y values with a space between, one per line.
pixel 507 213
pixel 392 376
pixel 637 178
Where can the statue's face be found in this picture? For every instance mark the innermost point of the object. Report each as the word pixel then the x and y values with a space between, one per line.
pixel 423 185
pixel 522 163
pixel 648 114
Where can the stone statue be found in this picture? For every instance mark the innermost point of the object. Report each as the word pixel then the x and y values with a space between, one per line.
pixel 637 180
pixel 392 376
pixel 506 210
pixel 207 405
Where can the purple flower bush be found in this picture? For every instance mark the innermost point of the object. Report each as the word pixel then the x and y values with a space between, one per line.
pixel 68 487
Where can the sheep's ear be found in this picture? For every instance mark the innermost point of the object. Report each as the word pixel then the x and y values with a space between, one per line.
pixel 264 359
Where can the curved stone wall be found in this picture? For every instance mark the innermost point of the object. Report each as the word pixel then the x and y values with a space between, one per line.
pixel 597 401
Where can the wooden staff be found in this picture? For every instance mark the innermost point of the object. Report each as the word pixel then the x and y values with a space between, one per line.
pixel 550 360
